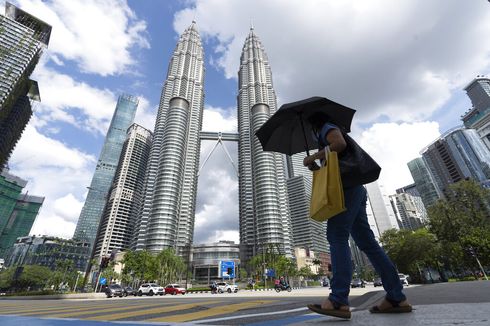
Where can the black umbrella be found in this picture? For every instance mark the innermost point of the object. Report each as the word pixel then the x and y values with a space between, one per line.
pixel 288 130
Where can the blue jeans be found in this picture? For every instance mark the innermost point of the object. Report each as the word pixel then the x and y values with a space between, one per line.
pixel 354 222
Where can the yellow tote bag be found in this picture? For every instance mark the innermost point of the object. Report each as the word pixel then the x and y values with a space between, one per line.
pixel 327 194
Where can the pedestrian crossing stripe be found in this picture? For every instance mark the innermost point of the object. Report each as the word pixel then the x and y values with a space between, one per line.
pixel 174 307
pixel 26 311
pixel 100 309
pixel 221 310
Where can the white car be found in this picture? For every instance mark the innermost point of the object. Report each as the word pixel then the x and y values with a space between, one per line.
pixel 403 279
pixel 150 289
pixel 225 287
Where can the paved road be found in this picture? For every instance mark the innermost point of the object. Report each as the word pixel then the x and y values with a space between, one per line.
pixel 462 302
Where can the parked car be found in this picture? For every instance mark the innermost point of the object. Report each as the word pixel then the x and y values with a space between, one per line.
pixel 150 289
pixel 114 290
pixel 128 291
pixel 357 283
pixel 174 289
pixel 403 279
pixel 377 282
pixel 225 287
pixel 325 282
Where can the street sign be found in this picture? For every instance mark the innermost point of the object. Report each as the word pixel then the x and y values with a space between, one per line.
pixel 270 272
pixel 103 280
pixel 227 269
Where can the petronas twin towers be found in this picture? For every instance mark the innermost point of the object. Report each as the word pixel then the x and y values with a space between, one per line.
pixel 166 218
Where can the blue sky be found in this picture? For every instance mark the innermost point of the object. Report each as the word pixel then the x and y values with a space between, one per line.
pixel 402 65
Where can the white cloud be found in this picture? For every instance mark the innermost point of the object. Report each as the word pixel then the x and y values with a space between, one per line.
pixel 56 172
pixel 98 35
pixel 219 119
pixel 397 59
pixel 394 145
pixel 145 115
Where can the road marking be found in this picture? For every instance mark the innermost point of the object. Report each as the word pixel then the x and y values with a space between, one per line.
pixel 175 307
pixel 26 311
pixel 250 315
pixel 101 310
pixel 224 309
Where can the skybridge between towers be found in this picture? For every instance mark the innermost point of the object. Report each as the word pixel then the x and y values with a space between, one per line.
pixel 220 137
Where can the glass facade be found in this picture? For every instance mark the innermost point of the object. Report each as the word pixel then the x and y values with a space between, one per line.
pixel 46 251
pixel 117 224
pixel 105 170
pixel 424 182
pixel 20 222
pixel 457 155
pixel 22 39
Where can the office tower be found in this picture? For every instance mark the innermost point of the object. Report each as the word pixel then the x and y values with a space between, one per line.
pixel 105 170
pixel 23 38
pixel 478 117
pixel 457 155
pixel 380 208
pixel 424 182
pixel 18 211
pixel 407 211
pixel 307 233
pixel 167 216
pixel 125 198
pixel 263 205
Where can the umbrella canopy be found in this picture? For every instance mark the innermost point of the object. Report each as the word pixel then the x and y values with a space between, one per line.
pixel 288 130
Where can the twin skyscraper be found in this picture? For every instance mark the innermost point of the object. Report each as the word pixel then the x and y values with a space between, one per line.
pixel 166 213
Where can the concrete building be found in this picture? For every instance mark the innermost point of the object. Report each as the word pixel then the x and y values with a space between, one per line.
pixel 23 38
pixel 380 208
pixel 125 198
pixel 48 251
pixel 263 202
pixel 167 216
pixel 17 211
pixel 406 208
pixel 478 117
pixel 457 155
pixel 206 259
pixel 306 257
pixel 105 170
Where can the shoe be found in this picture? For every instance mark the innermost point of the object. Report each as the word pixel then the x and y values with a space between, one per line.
pixel 394 309
pixel 345 314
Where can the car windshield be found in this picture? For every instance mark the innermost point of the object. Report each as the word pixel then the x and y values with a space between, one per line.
pixel 115 286
pixel 154 284
pixel 401 275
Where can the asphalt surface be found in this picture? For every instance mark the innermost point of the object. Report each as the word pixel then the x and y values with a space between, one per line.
pixel 463 303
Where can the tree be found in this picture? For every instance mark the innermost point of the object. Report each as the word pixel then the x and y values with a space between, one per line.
pixel 170 267
pixel 140 265
pixel 462 220
pixel 33 277
pixel 411 250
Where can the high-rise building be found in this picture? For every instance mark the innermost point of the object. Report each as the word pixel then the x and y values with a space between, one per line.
pixel 17 211
pixel 307 233
pixel 407 211
pixel 478 117
pixel 105 170
pixel 125 198
pixel 263 203
pixel 457 155
pixel 381 208
pixel 23 37
pixel 424 182
pixel 167 216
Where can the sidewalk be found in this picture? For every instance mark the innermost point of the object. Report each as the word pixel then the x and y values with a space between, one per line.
pixel 462 303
